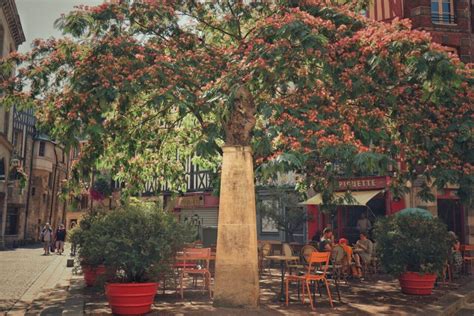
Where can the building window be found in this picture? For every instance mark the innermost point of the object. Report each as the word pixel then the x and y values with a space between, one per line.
pixel 44 198
pixel 442 11
pixel 18 142
pixel 12 222
pixel 42 149
pixel 33 191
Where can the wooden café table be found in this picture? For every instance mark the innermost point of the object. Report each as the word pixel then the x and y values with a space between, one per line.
pixel 283 260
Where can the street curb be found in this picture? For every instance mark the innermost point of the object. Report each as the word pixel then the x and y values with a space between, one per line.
pixel 74 304
pixel 451 303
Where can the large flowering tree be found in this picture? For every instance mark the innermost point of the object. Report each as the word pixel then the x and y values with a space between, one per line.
pixel 309 83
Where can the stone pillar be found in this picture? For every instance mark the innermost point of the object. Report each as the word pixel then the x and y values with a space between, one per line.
pixel 237 279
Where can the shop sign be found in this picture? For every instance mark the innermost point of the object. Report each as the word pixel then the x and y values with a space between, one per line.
pixel 190 201
pixel 362 183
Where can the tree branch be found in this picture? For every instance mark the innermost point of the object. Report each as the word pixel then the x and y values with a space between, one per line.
pixel 236 18
pixel 214 27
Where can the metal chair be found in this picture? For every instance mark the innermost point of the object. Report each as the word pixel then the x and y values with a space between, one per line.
pixel 316 272
pixel 196 262
pixel 264 250
pixel 306 252
pixel 467 256
pixel 291 265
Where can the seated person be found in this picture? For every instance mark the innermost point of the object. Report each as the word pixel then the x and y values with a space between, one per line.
pixel 455 258
pixel 347 262
pixel 347 249
pixel 327 241
pixel 315 240
pixel 363 250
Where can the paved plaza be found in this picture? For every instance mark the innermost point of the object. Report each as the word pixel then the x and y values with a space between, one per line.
pixel 379 295
pixel 26 276
pixel 33 284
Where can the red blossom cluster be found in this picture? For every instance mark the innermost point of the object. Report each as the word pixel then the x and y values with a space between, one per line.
pixel 326 83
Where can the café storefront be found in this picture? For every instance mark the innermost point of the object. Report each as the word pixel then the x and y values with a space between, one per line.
pixel 370 195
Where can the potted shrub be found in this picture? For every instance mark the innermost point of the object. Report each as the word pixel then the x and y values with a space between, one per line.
pixel 137 243
pixel 413 246
pixel 89 250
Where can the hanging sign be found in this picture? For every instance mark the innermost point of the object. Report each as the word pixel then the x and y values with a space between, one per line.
pixel 362 183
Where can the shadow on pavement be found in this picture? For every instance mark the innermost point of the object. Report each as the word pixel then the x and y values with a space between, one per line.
pixel 378 296
pixel 50 302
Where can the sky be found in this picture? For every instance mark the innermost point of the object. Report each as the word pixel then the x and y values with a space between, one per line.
pixel 38 16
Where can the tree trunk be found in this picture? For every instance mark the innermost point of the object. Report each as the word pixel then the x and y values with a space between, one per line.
pixel 238 129
pixel 237 278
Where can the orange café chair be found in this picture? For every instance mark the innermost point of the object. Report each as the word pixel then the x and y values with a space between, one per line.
pixel 468 256
pixel 196 256
pixel 319 261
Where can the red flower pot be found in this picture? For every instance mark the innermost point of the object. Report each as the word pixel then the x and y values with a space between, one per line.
pixel 415 283
pixel 91 273
pixel 130 298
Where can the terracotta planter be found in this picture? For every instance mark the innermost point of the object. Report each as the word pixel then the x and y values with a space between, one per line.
pixel 91 273
pixel 414 283
pixel 130 298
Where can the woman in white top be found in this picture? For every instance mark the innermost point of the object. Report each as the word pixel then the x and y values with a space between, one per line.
pixel 46 238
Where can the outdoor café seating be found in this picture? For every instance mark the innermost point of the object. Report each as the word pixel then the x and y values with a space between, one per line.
pixel 306 252
pixel 264 250
pixel 316 272
pixel 291 265
pixel 195 262
pixel 468 257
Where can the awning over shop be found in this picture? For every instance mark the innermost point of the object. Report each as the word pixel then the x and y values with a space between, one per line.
pixel 358 198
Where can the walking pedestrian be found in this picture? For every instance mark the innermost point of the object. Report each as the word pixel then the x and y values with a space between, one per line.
pixel 60 238
pixel 46 238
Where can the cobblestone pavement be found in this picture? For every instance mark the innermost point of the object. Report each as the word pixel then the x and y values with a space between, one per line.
pixel 379 295
pixel 25 273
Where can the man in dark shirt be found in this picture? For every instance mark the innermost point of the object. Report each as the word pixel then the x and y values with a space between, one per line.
pixel 326 243
pixel 60 239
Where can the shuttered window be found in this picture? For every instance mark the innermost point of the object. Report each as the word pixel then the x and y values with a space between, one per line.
pixel 442 11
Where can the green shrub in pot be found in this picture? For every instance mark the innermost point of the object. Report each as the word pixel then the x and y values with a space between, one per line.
pixel 138 242
pixel 87 240
pixel 412 242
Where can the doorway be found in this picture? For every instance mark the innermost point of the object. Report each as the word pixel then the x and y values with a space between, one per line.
pixel 450 212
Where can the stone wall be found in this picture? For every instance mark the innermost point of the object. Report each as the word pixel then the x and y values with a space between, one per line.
pixel 457 35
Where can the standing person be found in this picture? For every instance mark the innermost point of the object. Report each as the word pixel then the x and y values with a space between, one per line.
pixel 60 238
pixel 46 238
pixel 327 241
pixel 363 224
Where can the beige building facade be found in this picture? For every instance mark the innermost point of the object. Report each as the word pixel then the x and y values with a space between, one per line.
pixel 32 167
pixel 11 188
pixel 49 173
